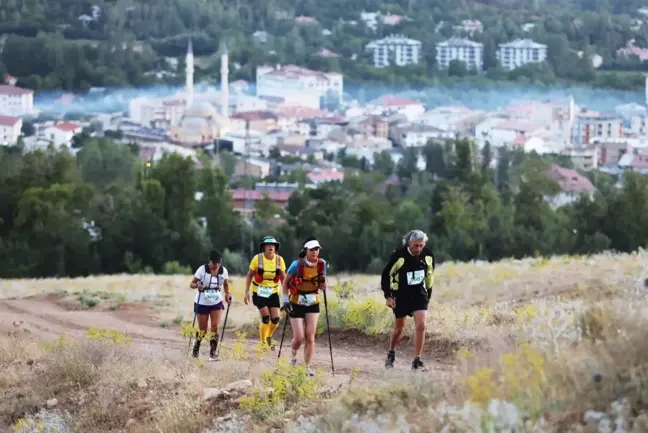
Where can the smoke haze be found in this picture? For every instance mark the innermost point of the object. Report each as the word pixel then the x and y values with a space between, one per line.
pixel 490 96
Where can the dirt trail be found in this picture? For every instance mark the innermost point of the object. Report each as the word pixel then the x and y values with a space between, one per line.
pixel 42 315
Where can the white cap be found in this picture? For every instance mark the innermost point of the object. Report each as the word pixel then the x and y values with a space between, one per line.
pixel 312 244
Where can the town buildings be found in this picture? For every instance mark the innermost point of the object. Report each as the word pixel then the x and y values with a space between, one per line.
pixel 520 52
pixel 395 50
pixel 465 50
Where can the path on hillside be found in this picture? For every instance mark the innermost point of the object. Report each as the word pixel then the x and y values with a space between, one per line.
pixel 43 316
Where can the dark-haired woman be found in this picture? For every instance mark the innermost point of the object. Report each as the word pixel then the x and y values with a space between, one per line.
pixel 210 280
pixel 304 278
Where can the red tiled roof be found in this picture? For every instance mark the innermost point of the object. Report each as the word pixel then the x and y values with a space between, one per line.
pixel 67 126
pixel 8 120
pixel 570 180
pixel 297 112
pixel 322 175
pixel 395 101
pixel 255 115
pixel 520 140
pixel 13 90
pixel 639 161
pixel 253 194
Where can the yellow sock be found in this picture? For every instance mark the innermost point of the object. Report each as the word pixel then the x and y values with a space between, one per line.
pixel 271 328
pixel 263 331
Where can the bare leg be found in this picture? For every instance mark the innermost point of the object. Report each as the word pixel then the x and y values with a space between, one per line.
pixel 297 325
pixel 311 328
pixel 215 317
pixel 397 332
pixel 420 317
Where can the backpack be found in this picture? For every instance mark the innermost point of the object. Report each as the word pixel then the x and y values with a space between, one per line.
pixel 208 272
pixel 299 277
pixel 258 277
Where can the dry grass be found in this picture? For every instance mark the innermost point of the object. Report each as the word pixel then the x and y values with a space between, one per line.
pixel 553 337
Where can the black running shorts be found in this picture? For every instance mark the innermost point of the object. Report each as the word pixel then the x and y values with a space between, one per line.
pixel 406 306
pixel 272 301
pixel 300 311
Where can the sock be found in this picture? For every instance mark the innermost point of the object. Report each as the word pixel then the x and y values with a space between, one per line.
pixel 272 327
pixel 263 331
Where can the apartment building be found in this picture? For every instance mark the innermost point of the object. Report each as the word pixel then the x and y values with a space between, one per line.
pixel 521 52
pixel 590 127
pixel 10 128
pixel 465 50
pixel 16 101
pixel 395 50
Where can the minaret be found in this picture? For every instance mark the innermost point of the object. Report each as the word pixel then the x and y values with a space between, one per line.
pixel 189 75
pixel 224 81
pixel 646 88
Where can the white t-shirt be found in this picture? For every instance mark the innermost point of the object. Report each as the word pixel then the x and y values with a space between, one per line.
pixel 213 294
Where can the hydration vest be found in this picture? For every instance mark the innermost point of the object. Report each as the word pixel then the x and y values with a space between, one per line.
pixel 298 279
pixel 258 276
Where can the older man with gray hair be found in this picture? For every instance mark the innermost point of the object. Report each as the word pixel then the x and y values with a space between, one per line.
pixel 406 282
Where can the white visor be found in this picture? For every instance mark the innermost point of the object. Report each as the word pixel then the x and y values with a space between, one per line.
pixel 312 244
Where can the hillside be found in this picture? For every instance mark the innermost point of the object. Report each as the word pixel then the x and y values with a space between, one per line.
pixel 162 28
pixel 546 341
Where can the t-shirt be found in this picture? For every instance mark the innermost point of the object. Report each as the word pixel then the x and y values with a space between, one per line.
pixel 213 285
pixel 269 272
pixel 309 285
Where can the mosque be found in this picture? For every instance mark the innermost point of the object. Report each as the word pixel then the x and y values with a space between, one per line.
pixel 201 123
pixel 192 120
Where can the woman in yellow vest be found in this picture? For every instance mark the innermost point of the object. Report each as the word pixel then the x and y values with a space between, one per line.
pixel 266 272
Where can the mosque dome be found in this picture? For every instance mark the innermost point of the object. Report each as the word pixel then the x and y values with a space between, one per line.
pixel 201 109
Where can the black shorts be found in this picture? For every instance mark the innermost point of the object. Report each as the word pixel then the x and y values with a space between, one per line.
pixel 300 311
pixel 406 306
pixel 206 309
pixel 272 301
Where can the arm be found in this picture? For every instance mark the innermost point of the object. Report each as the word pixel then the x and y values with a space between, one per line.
pixel 226 286
pixel 282 266
pixel 196 281
pixel 386 276
pixel 285 284
pixel 248 281
pixel 429 274
pixel 227 290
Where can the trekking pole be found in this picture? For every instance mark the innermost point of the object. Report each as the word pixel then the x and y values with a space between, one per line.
pixel 193 325
pixel 229 304
pixel 283 334
pixel 328 328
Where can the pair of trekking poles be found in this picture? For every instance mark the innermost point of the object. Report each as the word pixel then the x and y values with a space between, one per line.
pixel 328 329
pixel 193 325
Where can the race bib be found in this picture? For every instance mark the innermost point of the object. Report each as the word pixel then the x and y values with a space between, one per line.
pixel 264 291
pixel 307 299
pixel 213 296
pixel 415 277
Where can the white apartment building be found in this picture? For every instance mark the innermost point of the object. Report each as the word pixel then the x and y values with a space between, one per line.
pixel 469 52
pixel 10 128
pixel 395 50
pixel 16 101
pixel 521 52
pixel 62 133
pixel 294 82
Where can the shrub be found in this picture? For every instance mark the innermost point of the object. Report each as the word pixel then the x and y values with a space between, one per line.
pixel 174 268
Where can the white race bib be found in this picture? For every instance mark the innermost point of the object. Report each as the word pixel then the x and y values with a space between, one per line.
pixel 307 299
pixel 415 278
pixel 264 291
pixel 213 296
